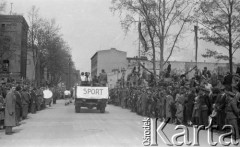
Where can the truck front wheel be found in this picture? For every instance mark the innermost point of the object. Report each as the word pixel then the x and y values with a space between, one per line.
pixel 77 109
pixel 102 109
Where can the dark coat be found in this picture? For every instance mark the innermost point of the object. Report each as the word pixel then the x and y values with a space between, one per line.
pixel 18 100
pixel 189 106
pixel 205 103
pixel 33 97
pixel 238 71
pixel 227 80
pixel 10 120
pixel 25 98
pixel 232 111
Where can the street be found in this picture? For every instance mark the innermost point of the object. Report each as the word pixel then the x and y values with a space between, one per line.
pixel 59 126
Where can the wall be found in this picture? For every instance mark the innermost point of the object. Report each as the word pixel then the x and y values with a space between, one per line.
pixel 15 27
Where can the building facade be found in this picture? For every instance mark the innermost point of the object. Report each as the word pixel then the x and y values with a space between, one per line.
pixel 179 67
pixel 108 60
pixel 13 48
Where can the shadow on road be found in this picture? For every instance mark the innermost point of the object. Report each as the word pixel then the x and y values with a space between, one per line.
pixel 15 131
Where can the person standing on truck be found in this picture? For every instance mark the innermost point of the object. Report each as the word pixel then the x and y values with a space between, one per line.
pixel 95 81
pixel 103 78
pixel 82 79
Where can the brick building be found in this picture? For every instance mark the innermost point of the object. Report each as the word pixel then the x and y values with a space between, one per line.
pixel 13 46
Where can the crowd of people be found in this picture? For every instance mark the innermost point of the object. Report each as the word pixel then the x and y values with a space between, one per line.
pixel 206 96
pixel 18 100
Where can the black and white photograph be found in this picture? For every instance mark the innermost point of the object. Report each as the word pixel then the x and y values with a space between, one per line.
pixel 119 73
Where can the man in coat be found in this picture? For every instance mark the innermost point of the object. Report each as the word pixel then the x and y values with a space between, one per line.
pixel 25 103
pixel 39 98
pixel 18 104
pixel 227 82
pixel 232 114
pixel 205 107
pixel 33 101
pixel 103 78
pixel 10 120
pixel 55 94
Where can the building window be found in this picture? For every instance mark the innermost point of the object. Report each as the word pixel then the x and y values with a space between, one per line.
pixel 3 26
pixel 5 66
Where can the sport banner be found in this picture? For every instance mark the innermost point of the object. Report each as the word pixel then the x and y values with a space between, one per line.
pixel 92 92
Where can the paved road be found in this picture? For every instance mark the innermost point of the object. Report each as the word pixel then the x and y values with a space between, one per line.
pixel 60 126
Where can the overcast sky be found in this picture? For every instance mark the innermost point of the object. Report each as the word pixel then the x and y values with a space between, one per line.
pixel 89 26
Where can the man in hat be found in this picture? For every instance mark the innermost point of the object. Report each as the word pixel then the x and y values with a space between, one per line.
pixel 227 82
pixel 10 116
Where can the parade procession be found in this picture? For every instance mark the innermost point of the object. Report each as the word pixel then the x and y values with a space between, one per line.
pixel 119 73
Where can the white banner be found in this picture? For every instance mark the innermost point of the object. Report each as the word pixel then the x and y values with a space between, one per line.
pixel 47 94
pixel 92 92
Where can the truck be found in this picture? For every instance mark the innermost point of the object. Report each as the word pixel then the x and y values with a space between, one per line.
pixel 91 97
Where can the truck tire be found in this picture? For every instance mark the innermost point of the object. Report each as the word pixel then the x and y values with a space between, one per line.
pixel 102 109
pixel 77 109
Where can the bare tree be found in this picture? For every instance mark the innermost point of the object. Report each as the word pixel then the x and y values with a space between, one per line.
pixel 49 49
pixel 34 27
pixel 2 6
pixel 162 23
pixel 220 24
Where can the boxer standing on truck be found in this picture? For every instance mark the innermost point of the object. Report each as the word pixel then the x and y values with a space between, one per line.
pixel 103 78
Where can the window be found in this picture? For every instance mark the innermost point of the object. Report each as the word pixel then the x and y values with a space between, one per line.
pixel 5 65
pixel 3 26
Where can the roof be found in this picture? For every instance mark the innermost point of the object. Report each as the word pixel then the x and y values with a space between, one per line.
pixel 111 49
pixel 12 18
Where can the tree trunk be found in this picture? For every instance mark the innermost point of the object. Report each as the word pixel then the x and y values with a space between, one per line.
pixel 162 39
pixel 230 39
pixel 161 55
pixel 37 74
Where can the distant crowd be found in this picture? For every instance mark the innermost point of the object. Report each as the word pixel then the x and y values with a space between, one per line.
pixel 196 101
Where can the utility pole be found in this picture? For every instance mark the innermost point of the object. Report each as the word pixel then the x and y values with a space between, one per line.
pixel 11 9
pixel 69 74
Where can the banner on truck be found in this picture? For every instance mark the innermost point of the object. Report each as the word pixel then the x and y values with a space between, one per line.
pixel 92 92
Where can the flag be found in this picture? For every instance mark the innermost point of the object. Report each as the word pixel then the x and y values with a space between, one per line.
pixel 196 41
pixel 141 38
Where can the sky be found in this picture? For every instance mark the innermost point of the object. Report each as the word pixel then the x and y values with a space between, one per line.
pixel 89 25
